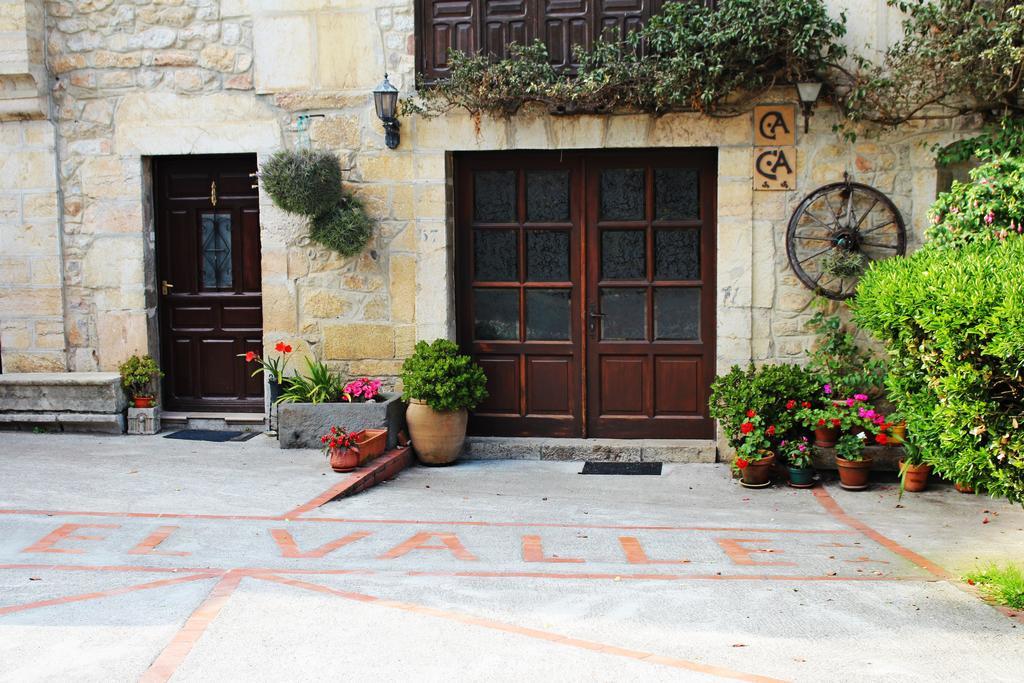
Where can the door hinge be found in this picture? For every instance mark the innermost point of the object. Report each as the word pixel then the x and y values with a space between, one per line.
pixel 213 193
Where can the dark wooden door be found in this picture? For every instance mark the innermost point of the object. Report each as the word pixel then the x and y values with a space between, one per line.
pixel 650 294
pixel 519 219
pixel 208 281
pixel 586 290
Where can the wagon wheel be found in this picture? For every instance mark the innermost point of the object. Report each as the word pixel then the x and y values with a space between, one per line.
pixel 837 231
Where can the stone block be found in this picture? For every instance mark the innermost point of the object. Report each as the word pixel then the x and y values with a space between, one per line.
pixel 350 54
pixel 606 450
pixel 143 420
pixel 358 341
pixel 64 392
pixel 403 288
pixel 300 425
pixel 283 53
pixel 501 448
pixel 678 450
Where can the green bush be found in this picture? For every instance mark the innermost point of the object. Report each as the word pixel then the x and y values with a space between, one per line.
pixel 953 325
pixel 442 377
pixel 766 391
pixel 139 375
pixel 991 207
pixel 345 228
pixel 306 181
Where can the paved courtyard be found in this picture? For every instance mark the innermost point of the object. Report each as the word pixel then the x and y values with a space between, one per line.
pixel 143 558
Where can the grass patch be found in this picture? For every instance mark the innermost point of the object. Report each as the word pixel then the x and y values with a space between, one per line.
pixel 1004 585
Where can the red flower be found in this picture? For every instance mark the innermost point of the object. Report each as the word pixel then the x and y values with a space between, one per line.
pixel 821 422
pixel 280 347
pixel 771 430
pixel 751 413
pixel 250 356
pixel 741 463
pixel 806 404
pixel 881 439
pixel 287 348
pixel 790 404
pixel 747 427
pixel 836 422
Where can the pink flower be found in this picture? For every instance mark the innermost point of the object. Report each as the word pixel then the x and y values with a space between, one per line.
pixel 861 397
pixel 828 389
pixel 850 402
pixel 990 217
pixel 870 414
pixel 955 209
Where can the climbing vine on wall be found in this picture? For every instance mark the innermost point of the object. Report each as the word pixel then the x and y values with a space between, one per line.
pixel 956 57
pixel 689 57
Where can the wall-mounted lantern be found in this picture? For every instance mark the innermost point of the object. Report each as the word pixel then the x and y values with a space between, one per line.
pixel 808 91
pixel 385 100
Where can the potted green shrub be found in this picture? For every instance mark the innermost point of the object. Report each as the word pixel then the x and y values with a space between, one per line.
pixel 799 456
pixel 854 468
pixel 441 386
pixel 138 377
pixel 754 456
pixel 914 470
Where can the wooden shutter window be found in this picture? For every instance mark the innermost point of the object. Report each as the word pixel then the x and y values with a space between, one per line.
pixel 489 26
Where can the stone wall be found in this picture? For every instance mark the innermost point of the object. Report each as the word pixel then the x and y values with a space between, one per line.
pixel 31 303
pixel 156 77
pixel 147 65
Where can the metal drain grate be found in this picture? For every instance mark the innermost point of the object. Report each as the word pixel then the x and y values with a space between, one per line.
pixel 648 468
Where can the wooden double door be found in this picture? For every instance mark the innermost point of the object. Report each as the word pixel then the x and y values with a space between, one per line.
pixel 586 290
pixel 208 282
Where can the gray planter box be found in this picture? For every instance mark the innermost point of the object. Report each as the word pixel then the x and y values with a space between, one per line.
pixel 300 425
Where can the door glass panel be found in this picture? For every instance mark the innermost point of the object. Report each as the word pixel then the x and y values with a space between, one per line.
pixel 677 254
pixel 623 255
pixel 496 314
pixel 216 250
pixel 547 196
pixel 625 313
pixel 677 313
pixel 622 194
pixel 676 194
pixel 547 256
pixel 494 196
pixel 495 256
pixel 547 314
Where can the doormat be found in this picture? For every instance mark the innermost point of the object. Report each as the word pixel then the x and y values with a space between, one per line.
pixel 650 468
pixel 210 435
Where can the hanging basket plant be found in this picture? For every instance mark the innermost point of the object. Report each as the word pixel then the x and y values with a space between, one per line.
pixel 308 182
pixel 345 228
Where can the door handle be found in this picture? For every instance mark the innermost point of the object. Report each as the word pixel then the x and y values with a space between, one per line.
pixel 594 317
pixel 165 286
pixel 598 315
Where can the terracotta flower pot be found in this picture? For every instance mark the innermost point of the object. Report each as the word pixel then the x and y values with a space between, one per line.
pixel 344 459
pixel 759 472
pixel 854 474
pixel 371 444
pixel 437 436
pixel 143 401
pixel 826 437
pixel 963 487
pixel 915 477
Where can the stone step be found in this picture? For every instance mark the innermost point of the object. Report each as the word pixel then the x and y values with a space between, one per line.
pixel 609 450
pixel 244 422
